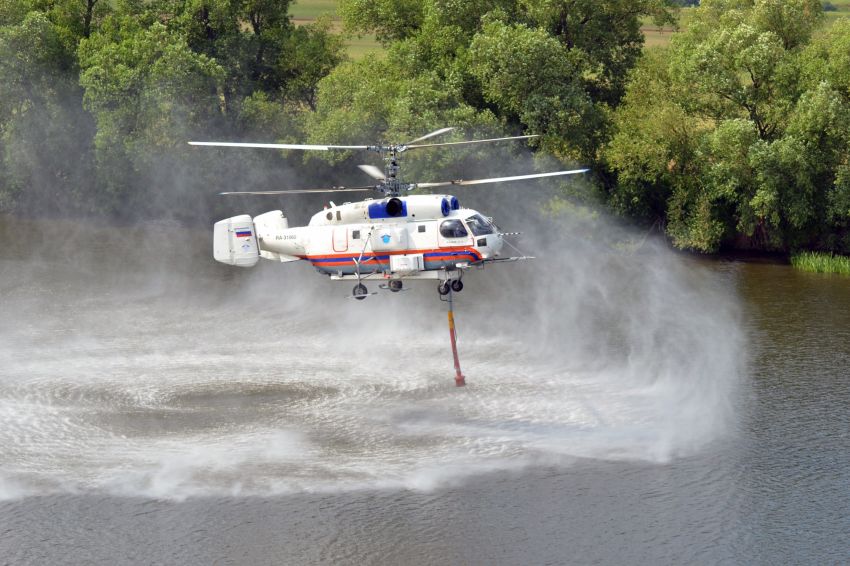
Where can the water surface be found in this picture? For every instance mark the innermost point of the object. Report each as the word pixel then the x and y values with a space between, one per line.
pixel 159 408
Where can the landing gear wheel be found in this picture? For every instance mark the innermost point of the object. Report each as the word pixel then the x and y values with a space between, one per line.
pixel 360 291
pixel 444 288
pixel 457 285
pixel 395 285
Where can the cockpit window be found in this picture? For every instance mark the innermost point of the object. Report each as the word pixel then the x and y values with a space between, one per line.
pixel 479 225
pixel 453 229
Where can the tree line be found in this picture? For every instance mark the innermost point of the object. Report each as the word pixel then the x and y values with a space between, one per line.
pixel 735 135
pixel 98 98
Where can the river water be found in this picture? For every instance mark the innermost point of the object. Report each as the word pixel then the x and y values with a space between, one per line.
pixel 632 406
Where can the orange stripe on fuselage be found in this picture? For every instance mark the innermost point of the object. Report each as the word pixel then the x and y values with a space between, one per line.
pixel 398 252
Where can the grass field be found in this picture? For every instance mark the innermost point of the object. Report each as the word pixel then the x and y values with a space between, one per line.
pixel 312 9
pixel 842 9
pixel 656 36
pixel 305 11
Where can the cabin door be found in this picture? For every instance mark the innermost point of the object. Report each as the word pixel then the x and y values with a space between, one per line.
pixel 340 239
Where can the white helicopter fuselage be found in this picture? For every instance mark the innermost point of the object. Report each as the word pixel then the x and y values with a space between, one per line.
pixel 406 237
pixel 395 237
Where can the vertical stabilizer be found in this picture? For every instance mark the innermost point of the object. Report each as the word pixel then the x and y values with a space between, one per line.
pixel 235 241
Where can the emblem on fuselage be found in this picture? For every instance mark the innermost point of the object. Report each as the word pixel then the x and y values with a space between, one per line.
pixel 386 238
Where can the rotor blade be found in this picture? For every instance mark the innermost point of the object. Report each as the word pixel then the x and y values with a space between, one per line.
pixel 280 145
pixel 501 179
pixel 302 191
pixel 473 141
pixel 372 171
pixel 431 135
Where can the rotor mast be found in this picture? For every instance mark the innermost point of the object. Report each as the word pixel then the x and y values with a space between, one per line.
pixel 391 185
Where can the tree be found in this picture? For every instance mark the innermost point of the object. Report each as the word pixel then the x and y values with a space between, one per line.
pixel 147 90
pixel 551 67
pixel 655 147
pixel 766 110
pixel 310 53
pixel 99 98
pixel 606 33
pixel 390 20
pixel 531 78
pixel 43 131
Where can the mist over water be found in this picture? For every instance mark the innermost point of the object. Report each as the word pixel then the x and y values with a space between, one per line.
pixel 132 364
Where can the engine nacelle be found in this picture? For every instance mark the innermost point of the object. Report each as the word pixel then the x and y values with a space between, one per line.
pixel 235 241
pixel 430 206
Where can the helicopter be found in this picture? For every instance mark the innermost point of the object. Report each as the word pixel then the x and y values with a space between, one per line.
pixel 393 238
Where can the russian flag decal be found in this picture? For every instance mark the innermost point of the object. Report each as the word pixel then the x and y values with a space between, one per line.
pixel 243 233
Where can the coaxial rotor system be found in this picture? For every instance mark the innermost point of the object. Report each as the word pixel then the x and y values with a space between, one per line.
pixel 388 183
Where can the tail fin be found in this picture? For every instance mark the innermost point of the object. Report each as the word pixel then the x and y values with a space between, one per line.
pixel 235 241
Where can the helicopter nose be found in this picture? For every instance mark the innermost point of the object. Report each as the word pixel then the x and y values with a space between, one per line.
pixel 497 244
pixel 489 245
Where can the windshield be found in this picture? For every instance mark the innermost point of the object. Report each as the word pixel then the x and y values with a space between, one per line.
pixel 479 225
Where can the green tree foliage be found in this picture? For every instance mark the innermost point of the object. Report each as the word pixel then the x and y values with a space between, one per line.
pixel 654 150
pixel 312 51
pixel 41 122
pixel 390 20
pixel 99 98
pixel 554 67
pixel 146 89
pixel 370 99
pixel 531 78
pixel 757 104
pixel 606 34
pixel 738 133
